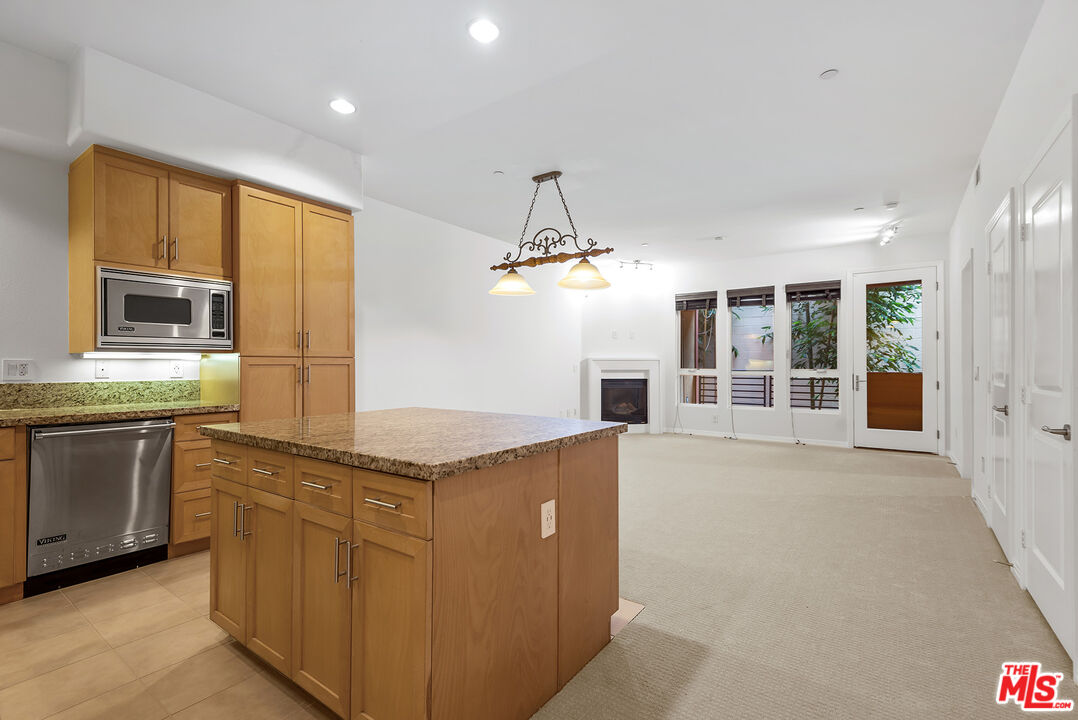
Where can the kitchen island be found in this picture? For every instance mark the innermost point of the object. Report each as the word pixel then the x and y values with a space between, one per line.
pixel 417 563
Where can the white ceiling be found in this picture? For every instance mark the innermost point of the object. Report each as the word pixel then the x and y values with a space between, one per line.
pixel 673 122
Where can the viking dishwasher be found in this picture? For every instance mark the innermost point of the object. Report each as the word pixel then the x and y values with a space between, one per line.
pixel 99 500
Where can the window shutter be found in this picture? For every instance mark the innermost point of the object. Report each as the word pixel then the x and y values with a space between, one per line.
pixel 825 290
pixel 746 297
pixel 696 301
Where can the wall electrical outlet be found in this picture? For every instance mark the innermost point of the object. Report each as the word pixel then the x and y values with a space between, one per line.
pixel 546 519
pixel 15 370
pixel 175 369
pixel 101 369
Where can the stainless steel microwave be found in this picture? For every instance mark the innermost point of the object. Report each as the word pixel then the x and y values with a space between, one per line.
pixel 151 311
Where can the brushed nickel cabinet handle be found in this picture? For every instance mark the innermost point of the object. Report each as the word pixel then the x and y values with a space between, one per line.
pixel 202 515
pixel 298 341
pixel 198 465
pixel 1065 431
pixel 223 462
pixel 314 485
pixel 308 339
pixel 308 374
pixel 337 574
pixel 175 248
pixel 348 567
pixel 164 247
pixel 243 521
pixel 235 521
pixel 382 503
pixel 260 471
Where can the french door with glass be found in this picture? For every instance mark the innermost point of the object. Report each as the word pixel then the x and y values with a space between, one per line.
pixel 895 359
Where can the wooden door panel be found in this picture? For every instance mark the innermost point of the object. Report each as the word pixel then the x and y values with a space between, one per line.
pixel 269 578
pixel 270 388
pixel 267 268
pixel 8 512
pixel 328 283
pixel 391 622
pixel 321 606
pixel 200 225
pixel 228 557
pixel 130 212
pixel 329 386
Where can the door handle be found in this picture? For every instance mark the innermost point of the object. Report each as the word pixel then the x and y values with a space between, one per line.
pixel 175 248
pixel 316 486
pixel 199 465
pixel 235 521
pixel 202 515
pixel 337 574
pixel 857 383
pixel 164 247
pixel 308 339
pixel 349 579
pixel 1065 431
pixel 1006 409
pixel 298 336
pixel 243 521
pixel 308 374
pixel 382 503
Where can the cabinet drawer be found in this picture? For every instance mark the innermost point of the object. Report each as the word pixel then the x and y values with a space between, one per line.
pixel 7 443
pixel 187 425
pixel 229 462
pixel 270 471
pixel 392 502
pixel 325 485
pixel 191 465
pixel 191 515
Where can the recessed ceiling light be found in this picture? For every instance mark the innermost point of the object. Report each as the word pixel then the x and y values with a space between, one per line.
pixel 829 73
pixel 643 244
pixel 858 209
pixel 891 206
pixel 342 106
pixel 483 30
pixel 499 172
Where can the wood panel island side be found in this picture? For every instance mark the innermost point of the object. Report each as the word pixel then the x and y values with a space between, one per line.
pixel 396 565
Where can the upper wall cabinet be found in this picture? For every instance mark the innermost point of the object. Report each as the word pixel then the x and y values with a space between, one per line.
pixel 328 283
pixel 140 213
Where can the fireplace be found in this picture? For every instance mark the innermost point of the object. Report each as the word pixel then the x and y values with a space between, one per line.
pixel 625 400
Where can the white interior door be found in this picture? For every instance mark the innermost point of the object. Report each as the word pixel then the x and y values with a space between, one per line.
pixel 1047 336
pixel 895 364
pixel 1000 234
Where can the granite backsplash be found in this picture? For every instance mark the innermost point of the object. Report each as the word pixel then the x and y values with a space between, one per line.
pixel 75 394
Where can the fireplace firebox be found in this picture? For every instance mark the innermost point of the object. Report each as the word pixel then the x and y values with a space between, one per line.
pixel 625 400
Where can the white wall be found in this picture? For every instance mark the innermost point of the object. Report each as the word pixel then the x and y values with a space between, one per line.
pixel 635 319
pixel 428 334
pixel 1044 82
pixel 33 276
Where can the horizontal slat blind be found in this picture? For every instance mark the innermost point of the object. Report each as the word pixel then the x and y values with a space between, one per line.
pixel 746 297
pixel 826 290
pixel 696 301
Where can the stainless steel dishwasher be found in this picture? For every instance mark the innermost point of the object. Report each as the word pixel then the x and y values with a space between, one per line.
pixel 96 492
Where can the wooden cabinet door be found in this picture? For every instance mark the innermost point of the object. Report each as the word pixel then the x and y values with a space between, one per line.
pixel 391 624
pixel 329 386
pixel 270 388
pixel 130 212
pixel 321 606
pixel 228 558
pixel 269 578
pixel 191 464
pixel 199 225
pixel 267 273
pixel 8 513
pixel 328 283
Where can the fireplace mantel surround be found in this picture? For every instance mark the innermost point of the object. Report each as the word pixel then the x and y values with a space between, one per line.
pixel 596 369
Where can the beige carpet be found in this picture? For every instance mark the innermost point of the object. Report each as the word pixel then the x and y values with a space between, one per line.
pixel 787 581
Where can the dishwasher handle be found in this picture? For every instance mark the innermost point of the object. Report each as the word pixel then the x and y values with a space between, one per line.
pixel 39 434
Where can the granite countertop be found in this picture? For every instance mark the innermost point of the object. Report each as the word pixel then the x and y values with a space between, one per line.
pixel 421 443
pixel 107 413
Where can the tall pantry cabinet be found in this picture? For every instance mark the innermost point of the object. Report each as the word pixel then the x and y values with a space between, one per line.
pixel 294 305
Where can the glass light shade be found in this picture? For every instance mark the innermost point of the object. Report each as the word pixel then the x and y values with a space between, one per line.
pixel 584 276
pixel 512 283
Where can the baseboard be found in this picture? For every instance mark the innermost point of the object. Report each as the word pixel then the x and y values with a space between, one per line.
pixel 789 440
pixel 983 508
pixel 180 549
pixel 11 593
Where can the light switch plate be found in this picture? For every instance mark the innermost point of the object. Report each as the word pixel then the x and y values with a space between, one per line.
pixel 546 519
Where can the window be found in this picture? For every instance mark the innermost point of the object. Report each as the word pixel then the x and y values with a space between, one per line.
pixel 814 378
pixel 752 346
pixel 698 348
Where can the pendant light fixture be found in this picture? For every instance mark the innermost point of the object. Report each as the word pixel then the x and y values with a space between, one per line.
pixel 582 276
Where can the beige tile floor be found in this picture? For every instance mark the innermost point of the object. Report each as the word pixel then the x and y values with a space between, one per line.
pixel 136 646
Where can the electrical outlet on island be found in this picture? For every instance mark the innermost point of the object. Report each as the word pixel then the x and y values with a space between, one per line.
pixel 546 517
